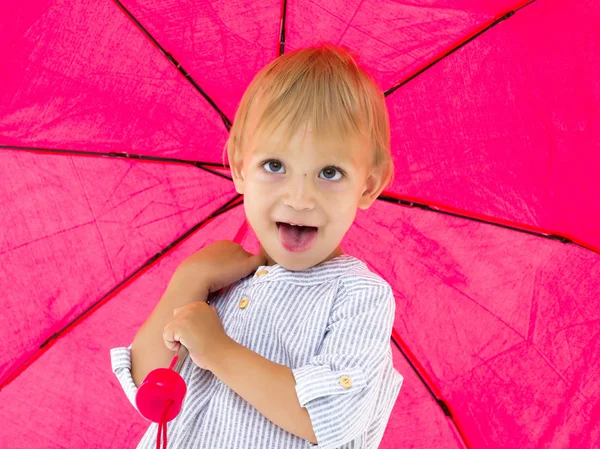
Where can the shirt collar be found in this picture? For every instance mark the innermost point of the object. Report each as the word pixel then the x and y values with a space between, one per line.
pixel 317 274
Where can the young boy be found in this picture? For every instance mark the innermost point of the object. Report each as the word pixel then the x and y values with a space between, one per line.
pixel 295 351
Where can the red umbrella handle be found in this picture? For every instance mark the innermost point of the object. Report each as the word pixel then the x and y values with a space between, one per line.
pixel 160 396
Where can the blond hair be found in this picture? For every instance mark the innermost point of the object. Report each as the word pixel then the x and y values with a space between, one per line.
pixel 321 86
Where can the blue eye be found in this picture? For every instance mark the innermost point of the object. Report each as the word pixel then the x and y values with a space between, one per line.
pixel 332 173
pixel 273 166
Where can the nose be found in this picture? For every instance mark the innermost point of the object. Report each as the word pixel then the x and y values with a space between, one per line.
pixel 299 194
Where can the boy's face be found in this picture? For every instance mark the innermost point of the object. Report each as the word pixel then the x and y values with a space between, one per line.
pixel 303 184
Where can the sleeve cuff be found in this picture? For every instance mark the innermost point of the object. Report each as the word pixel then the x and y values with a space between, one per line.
pixel 120 359
pixel 313 382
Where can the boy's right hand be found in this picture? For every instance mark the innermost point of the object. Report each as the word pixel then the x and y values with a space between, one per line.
pixel 216 266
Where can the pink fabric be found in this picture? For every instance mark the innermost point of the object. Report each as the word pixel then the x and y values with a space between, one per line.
pixel 501 325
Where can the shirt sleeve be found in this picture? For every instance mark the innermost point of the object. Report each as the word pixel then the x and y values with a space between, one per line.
pixel 120 359
pixel 339 386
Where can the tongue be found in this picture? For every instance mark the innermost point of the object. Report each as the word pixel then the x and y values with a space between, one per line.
pixel 296 238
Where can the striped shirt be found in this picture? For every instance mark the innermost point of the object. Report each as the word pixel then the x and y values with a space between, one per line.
pixel 331 324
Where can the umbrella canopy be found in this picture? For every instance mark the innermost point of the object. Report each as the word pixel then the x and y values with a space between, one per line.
pixel 113 118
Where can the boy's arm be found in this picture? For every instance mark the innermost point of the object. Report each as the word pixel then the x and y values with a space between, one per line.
pixel 267 386
pixel 148 350
pixel 209 269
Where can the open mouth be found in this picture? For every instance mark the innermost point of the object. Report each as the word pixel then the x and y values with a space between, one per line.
pixel 294 225
pixel 296 238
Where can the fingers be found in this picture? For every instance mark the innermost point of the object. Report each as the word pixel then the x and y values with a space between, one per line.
pixel 178 346
pixel 170 338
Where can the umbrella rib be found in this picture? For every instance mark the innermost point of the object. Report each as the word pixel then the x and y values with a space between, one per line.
pixel 537 233
pixel 439 401
pixel 231 204
pixel 200 164
pixel 282 21
pixel 495 22
pixel 172 60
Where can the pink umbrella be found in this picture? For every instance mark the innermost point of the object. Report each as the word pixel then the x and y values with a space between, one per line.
pixel 113 118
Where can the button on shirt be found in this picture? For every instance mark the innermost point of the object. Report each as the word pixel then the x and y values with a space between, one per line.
pixel 331 324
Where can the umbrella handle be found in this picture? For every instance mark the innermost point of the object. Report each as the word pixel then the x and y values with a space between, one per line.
pixel 160 396
pixel 179 358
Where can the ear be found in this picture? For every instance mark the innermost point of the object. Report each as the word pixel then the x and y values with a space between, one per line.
pixel 374 185
pixel 238 174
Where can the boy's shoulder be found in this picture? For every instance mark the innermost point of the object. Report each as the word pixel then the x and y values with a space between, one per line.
pixel 361 286
pixel 359 275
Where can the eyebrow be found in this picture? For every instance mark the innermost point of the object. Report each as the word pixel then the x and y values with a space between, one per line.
pixel 267 147
pixel 266 153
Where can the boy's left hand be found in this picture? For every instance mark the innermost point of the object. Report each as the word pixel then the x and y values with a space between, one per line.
pixel 198 327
